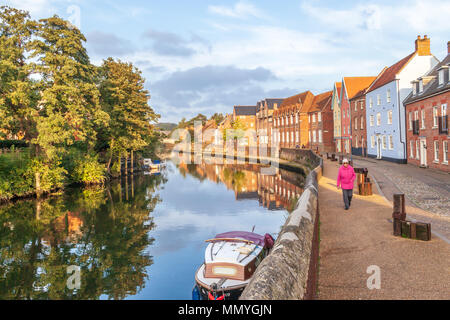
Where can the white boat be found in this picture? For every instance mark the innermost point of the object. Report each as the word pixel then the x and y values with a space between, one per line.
pixel 230 260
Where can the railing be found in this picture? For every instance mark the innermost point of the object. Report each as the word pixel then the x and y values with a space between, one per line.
pixel 443 125
pixel 415 124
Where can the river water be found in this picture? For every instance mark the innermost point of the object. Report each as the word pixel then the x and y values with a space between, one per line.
pixel 138 238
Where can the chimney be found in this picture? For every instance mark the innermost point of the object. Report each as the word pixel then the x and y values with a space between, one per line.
pixel 448 47
pixel 423 46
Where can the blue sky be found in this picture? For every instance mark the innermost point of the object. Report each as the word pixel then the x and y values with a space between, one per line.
pixel 206 56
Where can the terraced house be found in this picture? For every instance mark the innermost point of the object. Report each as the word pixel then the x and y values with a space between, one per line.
pixel 320 117
pixel 291 121
pixel 385 114
pixel 427 118
pixel 350 87
pixel 264 120
pixel 336 107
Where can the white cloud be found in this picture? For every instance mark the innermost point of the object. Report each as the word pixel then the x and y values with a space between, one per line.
pixel 240 10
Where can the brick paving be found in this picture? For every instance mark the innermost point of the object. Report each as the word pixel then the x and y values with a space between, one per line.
pixel 353 240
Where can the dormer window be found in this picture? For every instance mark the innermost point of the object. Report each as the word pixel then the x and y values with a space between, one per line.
pixel 420 86
pixel 441 77
pixel 414 88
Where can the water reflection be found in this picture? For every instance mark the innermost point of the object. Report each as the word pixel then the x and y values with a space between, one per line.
pixel 98 230
pixel 139 238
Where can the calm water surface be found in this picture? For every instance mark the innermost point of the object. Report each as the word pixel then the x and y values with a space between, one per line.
pixel 141 238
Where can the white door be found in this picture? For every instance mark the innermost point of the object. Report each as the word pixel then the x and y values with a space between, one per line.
pixel 379 155
pixel 423 152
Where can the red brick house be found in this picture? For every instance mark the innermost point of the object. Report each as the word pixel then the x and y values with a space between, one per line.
pixel 427 133
pixel 291 121
pixel 320 117
pixel 351 86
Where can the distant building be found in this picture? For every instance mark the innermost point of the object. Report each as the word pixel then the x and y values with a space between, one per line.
pixel 385 114
pixel 264 120
pixel 245 114
pixel 427 133
pixel 320 118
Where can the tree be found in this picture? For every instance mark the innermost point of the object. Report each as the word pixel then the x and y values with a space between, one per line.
pixel 125 99
pixel 18 94
pixel 69 106
pixel 218 117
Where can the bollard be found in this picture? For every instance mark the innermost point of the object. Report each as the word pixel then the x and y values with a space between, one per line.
pixel 399 207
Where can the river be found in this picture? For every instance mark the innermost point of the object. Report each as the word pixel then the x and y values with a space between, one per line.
pixel 137 238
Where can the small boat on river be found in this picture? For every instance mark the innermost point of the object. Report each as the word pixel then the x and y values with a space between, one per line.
pixel 231 259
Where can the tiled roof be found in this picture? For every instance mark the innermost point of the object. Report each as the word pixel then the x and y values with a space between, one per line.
pixel 338 88
pixel 321 101
pixel 432 87
pixel 353 85
pixel 245 110
pixel 305 98
pixel 390 73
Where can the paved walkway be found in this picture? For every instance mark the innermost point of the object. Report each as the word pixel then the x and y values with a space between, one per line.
pixel 353 240
pixel 427 191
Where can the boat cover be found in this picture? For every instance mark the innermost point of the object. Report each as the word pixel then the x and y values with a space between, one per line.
pixel 256 238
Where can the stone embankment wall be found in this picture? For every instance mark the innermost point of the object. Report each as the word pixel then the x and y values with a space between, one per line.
pixel 289 272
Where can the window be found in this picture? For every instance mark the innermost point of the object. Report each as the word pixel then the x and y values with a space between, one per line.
pixel 292 136
pixel 414 87
pixel 417 150
pixel 436 150
pixel 314 136
pixel 445 152
pixel 309 135
pixel 378 119
pixel 389 117
pixel 391 143
pixel 287 137
pixel 411 149
pixel 296 118
pixel 410 121
pixel 309 118
pixel 443 110
pixel 420 86
pixel 370 102
pixel 384 142
pixel 371 120
pixel 372 141
pixel 319 117
pixel 378 99
pixel 388 96
pixel 441 77
pixel 362 104
pixel 356 106
pixel 314 118
pixel 296 136
pixel 356 142
pixel 320 135
pixel 356 123
pixel 362 123
pixel 435 117
pixel 422 119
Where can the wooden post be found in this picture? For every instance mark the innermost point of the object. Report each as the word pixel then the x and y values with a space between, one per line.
pixel 397 227
pixel 399 206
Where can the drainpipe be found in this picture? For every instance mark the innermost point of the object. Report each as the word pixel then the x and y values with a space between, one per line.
pixel 400 103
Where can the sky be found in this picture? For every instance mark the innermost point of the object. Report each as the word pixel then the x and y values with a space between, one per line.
pixel 203 56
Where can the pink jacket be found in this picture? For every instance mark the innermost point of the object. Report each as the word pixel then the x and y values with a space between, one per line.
pixel 346 177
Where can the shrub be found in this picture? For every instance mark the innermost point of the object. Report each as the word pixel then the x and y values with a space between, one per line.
pixel 88 171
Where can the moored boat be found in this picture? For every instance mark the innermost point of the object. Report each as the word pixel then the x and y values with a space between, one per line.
pixel 231 259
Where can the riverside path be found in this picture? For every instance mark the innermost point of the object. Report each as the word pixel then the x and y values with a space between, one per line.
pixel 352 241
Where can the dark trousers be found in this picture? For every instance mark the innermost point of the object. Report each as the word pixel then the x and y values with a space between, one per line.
pixel 347 194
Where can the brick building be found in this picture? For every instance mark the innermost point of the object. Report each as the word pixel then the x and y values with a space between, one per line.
pixel 291 121
pixel 427 133
pixel 264 120
pixel 320 118
pixel 351 86
pixel 336 107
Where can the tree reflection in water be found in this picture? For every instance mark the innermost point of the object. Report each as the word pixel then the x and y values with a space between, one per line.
pixel 97 229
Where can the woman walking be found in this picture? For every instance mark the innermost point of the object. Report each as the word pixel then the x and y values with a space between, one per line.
pixel 345 179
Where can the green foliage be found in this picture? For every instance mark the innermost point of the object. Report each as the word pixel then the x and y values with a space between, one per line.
pixel 52 175
pixel 88 171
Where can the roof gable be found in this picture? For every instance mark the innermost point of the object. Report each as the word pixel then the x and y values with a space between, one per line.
pixel 354 85
pixel 390 73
